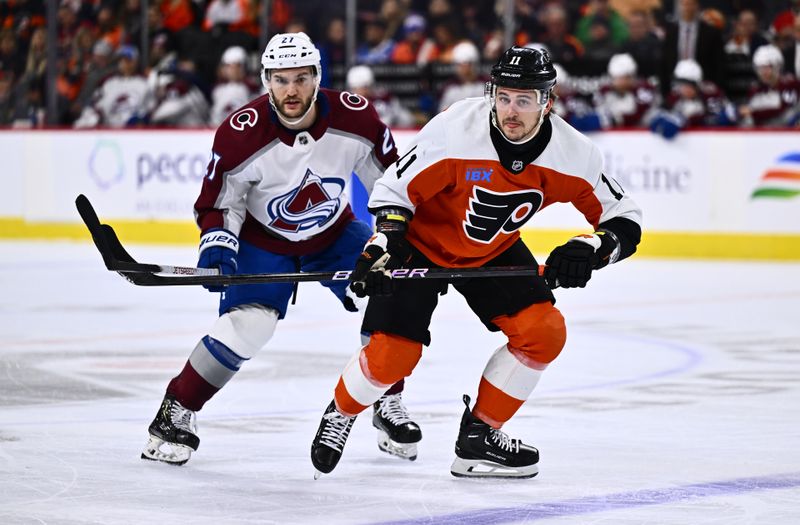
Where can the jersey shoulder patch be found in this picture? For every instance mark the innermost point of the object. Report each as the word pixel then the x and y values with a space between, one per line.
pixel 354 114
pixel 244 132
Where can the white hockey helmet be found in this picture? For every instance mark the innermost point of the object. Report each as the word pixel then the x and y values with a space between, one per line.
pixel 234 55
pixel 289 50
pixel 466 53
pixel 360 77
pixel 621 65
pixel 561 74
pixel 768 55
pixel 689 71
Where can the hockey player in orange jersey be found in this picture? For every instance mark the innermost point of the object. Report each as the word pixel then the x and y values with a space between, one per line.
pixel 457 198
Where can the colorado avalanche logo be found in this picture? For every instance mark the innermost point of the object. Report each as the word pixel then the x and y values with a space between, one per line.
pixel 490 213
pixel 311 204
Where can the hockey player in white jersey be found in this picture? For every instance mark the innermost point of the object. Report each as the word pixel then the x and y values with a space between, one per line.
pixel 471 178
pixel 274 200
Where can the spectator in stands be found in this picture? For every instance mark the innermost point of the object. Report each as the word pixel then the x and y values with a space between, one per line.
pixel 599 47
pixel 376 46
pixel 393 12
pixel 468 81
pixel 6 97
pixel 415 47
pixel 775 100
pixel 783 22
pixel 791 53
pixel 440 11
pixel 36 64
pixel 599 12
pixel 739 49
pixel 177 99
pixel 626 8
pixel 177 15
pixel 643 44
pixel 67 25
pixel 626 101
pixel 108 26
pixel 131 17
pixel 229 15
pixel 29 109
pixel 98 69
pixel 478 18
pixel 11 58
pixel 564 47
pixel 692 102
pixel 333 49
pixel 745 38
pixel 120 99
pixel 162 40
pixel 445 35
pixel 361 81
pixel 233 90
pixel 690 37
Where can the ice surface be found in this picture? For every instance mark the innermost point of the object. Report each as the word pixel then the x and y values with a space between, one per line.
pixel 675 402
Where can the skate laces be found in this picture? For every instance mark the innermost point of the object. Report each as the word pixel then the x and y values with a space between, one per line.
pixel 392 408
pixel 336 431
pixel 181 417
pixel 503 441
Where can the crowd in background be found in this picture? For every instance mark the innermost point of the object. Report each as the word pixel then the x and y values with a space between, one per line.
pixel 665 64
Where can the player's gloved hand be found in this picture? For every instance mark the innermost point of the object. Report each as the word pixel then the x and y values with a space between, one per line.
pixel 570 265
pixel 667 124
pixel 387 250
pixel 218 249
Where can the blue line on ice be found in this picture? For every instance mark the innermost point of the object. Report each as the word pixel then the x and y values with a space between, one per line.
pixel 609 502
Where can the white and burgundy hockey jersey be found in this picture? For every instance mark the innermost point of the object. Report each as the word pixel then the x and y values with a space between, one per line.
pixel 469 201
pixel 625 109
pixel 776 105
pixel 227 97
pixel 287 191
pixel 118 100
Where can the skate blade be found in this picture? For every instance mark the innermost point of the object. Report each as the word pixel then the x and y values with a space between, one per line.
pixel 317 474
pixel 160 450
pixel 475 468
pixel 401 450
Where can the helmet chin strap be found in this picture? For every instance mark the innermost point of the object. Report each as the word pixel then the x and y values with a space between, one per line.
pixel 293 122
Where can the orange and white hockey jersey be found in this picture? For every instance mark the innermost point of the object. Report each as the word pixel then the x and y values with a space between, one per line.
pixel 469 204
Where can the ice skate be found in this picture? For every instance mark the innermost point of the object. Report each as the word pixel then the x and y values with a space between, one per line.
pixel 173 434
pixel 398 435
pixel 485 452
pixel 328 444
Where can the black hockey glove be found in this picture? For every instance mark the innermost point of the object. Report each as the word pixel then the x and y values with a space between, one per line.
pixel 571 264
pixel 385 251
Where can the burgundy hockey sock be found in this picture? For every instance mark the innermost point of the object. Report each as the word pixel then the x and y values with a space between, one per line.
pixel 190 389
pixel 396 388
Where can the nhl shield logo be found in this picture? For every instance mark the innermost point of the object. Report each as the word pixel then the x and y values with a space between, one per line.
pixel 516 165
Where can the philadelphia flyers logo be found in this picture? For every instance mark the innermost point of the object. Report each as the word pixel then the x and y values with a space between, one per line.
pixel 491 213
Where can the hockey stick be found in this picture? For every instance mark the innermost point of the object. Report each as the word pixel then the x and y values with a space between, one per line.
pixel 117 259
